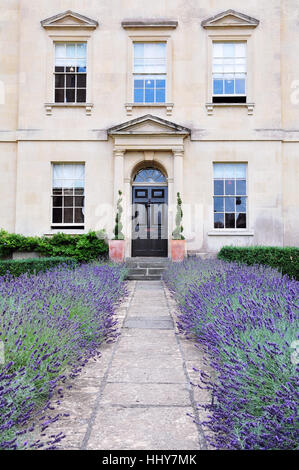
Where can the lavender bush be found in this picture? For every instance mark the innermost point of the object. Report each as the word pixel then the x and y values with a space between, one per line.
pixel 51 325
pixel 246 319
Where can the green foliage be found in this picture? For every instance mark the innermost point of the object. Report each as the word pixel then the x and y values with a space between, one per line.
pixel 85 247
pixel 33 265
pixel 118 235
pixel 286 259
pixel 177 234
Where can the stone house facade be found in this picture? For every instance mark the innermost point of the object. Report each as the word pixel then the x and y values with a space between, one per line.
pixel 151 98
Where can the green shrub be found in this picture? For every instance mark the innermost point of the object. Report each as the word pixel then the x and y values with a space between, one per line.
pixel 286 259
pixel 33 265
pixel 85 247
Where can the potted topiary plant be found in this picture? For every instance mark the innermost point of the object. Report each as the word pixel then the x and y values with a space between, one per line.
pixel 117 245
pixel 178 241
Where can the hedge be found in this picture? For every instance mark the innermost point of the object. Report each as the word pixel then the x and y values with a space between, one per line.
pixel 286 259
pixel 33 265
pixel 85 247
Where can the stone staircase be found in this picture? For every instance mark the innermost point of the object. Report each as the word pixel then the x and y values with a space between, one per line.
pixel 146 269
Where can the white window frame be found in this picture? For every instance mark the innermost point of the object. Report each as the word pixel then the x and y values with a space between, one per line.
pixel 69 73
pixel 228 230
pixel 229 95
pixel 147 74
pixel 67 224
pixel 50 55
pixel 229 36
pixel 151 38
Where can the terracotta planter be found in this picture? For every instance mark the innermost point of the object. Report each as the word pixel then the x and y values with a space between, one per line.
pixel 117 250
pixel 178 250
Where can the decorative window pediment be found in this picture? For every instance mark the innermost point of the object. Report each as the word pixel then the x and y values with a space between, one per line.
pixel 230 19
pixel 69 19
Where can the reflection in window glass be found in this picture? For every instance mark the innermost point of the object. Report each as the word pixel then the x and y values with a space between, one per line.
pixel 150 175
pixel 230 198
pixel 229 68
pixel 68 193
pixel 149 72
pixel 70 73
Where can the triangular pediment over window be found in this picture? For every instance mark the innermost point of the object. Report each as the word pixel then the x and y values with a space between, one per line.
pixel 148 125
pixel 69 19
pixel 230 18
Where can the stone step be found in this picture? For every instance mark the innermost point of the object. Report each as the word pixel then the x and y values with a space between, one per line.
pixel 143 277
pixel 146 268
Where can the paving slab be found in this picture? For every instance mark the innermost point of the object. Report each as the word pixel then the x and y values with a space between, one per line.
pixel 166 428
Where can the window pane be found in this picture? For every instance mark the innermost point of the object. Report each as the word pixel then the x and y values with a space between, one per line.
pixel 218 87
pixel 57 201
pixel 68 191
pixel 240 49
pixel 59 81
pixel 70 96
pixel 149 83
pixel 230 187
pixel 138 96
pixel 218 204
pixel 240 86
pixel 81 81
pixel 218 220
pixel 229 87
pixel 149 95
pixel 240 170
pixel 68 216
pixel 79 184
pixel 218 49
pixel 68 201
pixel 79 216
pixel 241 187
pixel 79 191
pixel 241 221
pixel 219 187
pixel 70 50
pixel 79 201
pixel 57 216
pixel 229 204
pixel 241 204
pixel 59 96
pixel 229 220
pixel 81 96
pixel 81 50
pixel 160 95
pixel 70 81
pixel 228 49
pixel 60 50
pixel 79 170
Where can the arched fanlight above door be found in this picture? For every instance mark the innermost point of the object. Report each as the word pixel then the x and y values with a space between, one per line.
pixel 150 175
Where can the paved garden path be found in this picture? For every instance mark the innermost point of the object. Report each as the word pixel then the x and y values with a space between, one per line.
pixel 138 394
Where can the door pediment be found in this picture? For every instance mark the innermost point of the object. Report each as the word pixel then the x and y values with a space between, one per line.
pixel 148 125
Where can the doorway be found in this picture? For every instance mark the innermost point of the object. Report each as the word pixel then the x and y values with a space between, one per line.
pixel 150 214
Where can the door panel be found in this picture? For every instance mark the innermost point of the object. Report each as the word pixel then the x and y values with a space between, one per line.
pixel 149 221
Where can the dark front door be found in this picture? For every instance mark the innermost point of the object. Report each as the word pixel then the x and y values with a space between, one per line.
pixel 149 221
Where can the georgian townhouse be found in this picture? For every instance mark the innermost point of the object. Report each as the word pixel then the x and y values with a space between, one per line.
pixel 151 98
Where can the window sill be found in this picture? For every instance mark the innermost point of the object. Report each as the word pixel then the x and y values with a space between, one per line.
pixel 231 233
pixel 129 107
pixel 210 107
pixel 88 107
